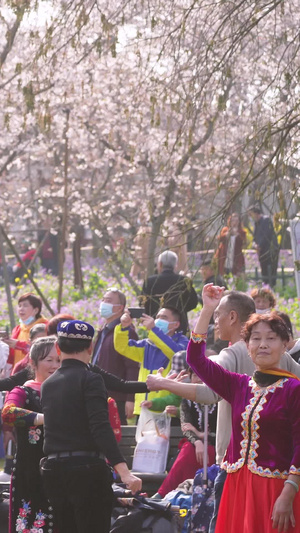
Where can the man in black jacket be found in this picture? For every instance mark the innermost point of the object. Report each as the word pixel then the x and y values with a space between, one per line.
pixel 266 245
pixel 78 438
pixel 168 289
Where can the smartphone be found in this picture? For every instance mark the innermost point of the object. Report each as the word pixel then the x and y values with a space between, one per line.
pixel 136 312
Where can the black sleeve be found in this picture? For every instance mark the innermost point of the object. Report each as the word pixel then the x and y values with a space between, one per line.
pixel 16 379
pixel 97 411
pixel 114 383
pixel 192 301
pixel 145 297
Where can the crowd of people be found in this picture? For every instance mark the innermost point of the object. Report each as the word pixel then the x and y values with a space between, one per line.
pixel 69 392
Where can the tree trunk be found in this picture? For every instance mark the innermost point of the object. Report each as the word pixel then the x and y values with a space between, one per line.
pixel 152 259
pixel 65 216
pixel 76 251
pixel 7 284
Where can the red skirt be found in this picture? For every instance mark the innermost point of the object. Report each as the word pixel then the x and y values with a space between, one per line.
pixel 247 503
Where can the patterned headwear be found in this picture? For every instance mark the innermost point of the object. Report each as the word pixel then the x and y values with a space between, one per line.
pixel 75 329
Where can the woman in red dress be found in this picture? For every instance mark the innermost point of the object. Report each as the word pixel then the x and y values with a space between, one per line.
pixel 229 255
pixel 261 492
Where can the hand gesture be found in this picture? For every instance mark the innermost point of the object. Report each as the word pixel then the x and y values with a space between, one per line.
pixel 171 410
pixel 183 376
pixel 147 321
pixel 211 295
pixel 133 483
pixel 156 381
pixel 147 404
pixel 11 342
pixel 186 426
pixel 126 319
pixel 283 514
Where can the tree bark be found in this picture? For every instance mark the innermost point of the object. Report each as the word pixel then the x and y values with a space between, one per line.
pixel 65 215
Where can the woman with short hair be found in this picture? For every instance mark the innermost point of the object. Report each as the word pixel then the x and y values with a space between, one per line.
pixel 261 491
pixel 30 314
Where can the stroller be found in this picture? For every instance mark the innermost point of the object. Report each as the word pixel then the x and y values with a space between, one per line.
pixel 138 514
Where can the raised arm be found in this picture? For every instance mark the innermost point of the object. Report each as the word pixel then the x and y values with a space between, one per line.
pixel 223 382
pixel 211 297
pixel 130 348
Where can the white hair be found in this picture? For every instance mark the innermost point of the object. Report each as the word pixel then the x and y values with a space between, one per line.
pixel 168 259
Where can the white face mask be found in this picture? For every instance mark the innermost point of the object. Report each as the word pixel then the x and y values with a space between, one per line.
pixel 263 311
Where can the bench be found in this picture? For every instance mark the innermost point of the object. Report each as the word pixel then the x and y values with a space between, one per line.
pixel 151 482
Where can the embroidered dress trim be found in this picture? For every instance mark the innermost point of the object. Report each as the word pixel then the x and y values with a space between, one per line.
pixel 254 436
pixel 295 471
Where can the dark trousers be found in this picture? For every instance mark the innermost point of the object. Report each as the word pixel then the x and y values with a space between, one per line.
pixel 79 490
pixel 218 489
pixel 268 264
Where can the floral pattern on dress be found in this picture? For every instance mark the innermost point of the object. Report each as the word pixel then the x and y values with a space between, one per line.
pixel 114 418
pixel 15 416
pixel 22 521
pixel 34 435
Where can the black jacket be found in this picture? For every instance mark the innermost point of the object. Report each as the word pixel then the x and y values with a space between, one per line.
pixel 169 289
pixel 74 403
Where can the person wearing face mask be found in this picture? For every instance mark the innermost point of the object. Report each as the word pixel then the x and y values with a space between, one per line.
pixel 106 357
pixel 164 339
pixel 29 312
pixel 264 300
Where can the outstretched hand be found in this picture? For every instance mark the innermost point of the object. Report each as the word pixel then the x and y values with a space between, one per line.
pixel 211 295
pixel 156 381
pixel 181 377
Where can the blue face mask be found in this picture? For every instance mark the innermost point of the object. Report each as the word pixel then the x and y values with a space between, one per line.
pixel 106 309
pixel 163 325
pixel 27 321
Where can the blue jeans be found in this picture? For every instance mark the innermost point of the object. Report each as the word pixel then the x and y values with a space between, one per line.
pixel 218 488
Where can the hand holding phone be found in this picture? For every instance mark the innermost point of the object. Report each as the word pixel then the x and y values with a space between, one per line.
pixel 136 312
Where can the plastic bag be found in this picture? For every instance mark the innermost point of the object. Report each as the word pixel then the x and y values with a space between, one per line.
pixel 152 436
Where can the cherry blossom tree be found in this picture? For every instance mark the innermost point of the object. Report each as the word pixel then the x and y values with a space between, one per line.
pixel 178 112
